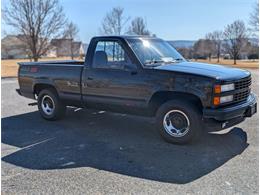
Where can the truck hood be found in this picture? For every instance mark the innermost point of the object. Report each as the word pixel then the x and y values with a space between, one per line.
pixel 218 72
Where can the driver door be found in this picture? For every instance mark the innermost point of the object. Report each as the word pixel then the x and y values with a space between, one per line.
pixel 113 78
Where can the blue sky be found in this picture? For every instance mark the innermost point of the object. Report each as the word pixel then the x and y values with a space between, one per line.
pixel 168 19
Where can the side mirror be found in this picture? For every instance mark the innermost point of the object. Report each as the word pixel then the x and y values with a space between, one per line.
pixel 132 68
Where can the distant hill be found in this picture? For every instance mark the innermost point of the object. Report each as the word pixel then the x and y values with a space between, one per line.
pixel 190 43
pixel 182 43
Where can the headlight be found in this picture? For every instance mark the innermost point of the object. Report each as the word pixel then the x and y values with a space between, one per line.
pixel 223 88
pixel 223 99
pixel 228 87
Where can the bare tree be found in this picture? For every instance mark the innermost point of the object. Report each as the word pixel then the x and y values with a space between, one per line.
pixel 254 19
pixel 210 45
pixel 186 52
pixel 253 51
pixel 216 38
pixel 37 20
pixel 203 48
pixel 249 49
pixel 235 35
pixel 199 49
pixel 138 27
pixel 114 22
pixel 70 33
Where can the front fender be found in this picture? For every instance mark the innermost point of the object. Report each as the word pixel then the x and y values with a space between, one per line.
pixel 196 86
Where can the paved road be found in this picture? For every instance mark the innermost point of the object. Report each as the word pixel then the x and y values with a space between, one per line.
pixel 93 152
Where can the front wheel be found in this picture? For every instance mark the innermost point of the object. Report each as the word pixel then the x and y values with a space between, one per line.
pixel 178 121
pixel 49 105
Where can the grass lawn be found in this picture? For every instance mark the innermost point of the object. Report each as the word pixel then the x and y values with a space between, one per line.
pixel 9 67
pixel 240 63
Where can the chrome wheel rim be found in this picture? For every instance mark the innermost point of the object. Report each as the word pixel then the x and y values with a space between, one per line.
pixel 176 123
pixel 47 105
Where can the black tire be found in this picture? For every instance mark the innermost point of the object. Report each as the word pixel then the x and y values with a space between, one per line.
pixel 189 112
pixel 58 108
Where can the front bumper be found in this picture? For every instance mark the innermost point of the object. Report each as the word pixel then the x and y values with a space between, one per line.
pixel 245 109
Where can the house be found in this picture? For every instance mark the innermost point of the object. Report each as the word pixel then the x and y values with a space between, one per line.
pixel 13 47
pixel 65 48
pixel 84 48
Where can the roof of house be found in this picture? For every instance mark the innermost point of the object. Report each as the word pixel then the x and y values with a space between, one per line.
pixel 58 42
pixel 12 40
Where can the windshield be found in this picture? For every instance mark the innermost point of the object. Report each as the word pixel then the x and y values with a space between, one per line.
pixel 154 52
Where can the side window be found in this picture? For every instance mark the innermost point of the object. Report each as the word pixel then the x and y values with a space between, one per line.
pixel 110 55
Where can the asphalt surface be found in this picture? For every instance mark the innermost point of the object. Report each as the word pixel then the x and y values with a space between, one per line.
pixel 92 152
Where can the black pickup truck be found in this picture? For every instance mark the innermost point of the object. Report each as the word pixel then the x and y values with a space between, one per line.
pixel 143 76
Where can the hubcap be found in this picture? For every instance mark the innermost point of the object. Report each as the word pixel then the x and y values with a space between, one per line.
pixel 176 123
pixel 47 105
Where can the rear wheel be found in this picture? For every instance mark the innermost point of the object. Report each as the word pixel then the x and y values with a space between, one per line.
pixel 49 105
pixel 179 122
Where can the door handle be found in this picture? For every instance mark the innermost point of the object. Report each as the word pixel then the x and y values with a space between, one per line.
pixel 89 78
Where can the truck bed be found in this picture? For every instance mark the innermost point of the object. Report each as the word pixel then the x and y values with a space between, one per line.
pixel 65 76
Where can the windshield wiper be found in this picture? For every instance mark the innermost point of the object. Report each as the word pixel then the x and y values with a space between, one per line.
pixel 175 60
pixel 178 59
pixel 152 62
pixel 156 62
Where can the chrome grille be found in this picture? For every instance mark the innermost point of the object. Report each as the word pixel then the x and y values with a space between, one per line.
pixel 241 96
pixel 244 86
pixel 243 83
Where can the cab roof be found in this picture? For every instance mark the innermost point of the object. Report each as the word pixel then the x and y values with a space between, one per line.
pixel 127 37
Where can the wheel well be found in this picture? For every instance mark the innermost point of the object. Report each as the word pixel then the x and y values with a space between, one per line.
pixel 161 97
pixel 40 87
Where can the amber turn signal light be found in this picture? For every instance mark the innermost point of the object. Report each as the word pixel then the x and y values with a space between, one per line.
pixel 217 89
pixel 216 101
